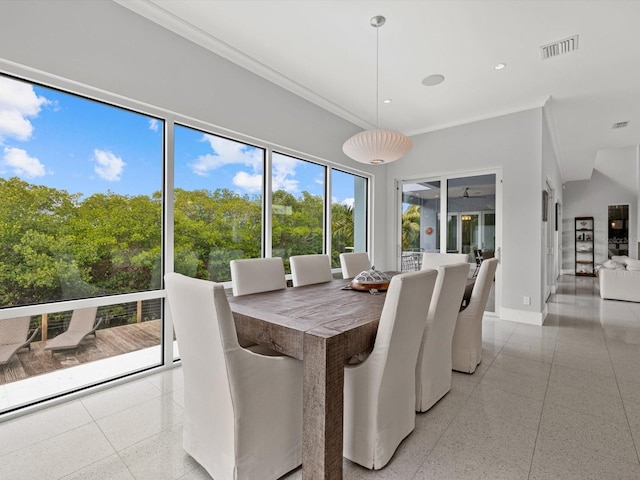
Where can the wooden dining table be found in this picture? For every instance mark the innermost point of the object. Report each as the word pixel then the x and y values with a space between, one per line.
pixel 323 325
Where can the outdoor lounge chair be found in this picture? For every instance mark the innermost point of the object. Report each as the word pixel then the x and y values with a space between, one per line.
pixel 82 323
pixel 13 337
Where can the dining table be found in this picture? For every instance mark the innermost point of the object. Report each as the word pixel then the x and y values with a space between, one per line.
pixel 323 325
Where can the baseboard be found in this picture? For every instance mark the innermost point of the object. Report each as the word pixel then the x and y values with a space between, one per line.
pixel 523 316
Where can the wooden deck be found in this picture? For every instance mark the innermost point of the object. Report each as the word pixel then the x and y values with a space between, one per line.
pixel 108 342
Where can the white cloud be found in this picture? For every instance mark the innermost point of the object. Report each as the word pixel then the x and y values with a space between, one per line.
pixel 247 181
pixel 154 124
pixel 226 152
pixel 348 202
pixel 284 172
pixel 108 166
pixel 21 164
pixel 18 101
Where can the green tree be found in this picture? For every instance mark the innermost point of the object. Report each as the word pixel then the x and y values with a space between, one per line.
pixel 411 228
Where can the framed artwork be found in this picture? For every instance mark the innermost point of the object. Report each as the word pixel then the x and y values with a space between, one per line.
pixel 545 205
pixel 558 207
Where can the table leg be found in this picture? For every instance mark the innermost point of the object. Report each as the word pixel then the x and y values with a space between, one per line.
pixel 323 396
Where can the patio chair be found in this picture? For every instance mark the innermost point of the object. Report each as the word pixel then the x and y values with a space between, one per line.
pixel 13 337
pixel 82 323
pixel 352 263
pixel 242 410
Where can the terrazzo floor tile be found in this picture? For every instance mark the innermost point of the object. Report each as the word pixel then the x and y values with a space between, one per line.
pixel 577 445
pixel 121 397
pixel 159 457
pixel 41 425
pixel 57 456
pixel 109 468
pixel 130 426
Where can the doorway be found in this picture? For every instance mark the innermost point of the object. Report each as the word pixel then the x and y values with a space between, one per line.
pixel 451 214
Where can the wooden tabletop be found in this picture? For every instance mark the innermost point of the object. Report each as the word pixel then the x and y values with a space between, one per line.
pixel 322 325
pixel 280 318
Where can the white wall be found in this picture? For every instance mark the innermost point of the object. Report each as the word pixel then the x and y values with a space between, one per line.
pixel 551 176
pixel 612 183
pixel 514 144
pixel 102 45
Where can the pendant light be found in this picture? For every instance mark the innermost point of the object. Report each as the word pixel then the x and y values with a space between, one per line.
pixel 378 145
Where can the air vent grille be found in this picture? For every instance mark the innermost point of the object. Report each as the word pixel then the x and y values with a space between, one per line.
pixel 620 124
pixel 558 48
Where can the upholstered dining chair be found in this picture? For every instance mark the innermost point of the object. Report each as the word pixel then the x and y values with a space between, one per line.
pixel 310 269
pixel 352 263
pixel 379 393
pixel 434 260
pixel 433 369
pixel 242 410
pixel 466 348
pixel 255 275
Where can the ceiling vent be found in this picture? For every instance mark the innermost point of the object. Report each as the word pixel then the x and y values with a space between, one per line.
pixel 558 48
pixel 620 124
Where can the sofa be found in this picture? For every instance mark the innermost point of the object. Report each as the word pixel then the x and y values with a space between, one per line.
pixel 620 279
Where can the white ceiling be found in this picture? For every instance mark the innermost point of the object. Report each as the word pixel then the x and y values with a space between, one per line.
pixel 325 51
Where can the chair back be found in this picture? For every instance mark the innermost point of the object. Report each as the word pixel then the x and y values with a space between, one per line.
pixel 434 260
pixel 254 275
pixel 354 263
pixel 481 289
pixel 205 332
pixel 433 369
pixel 83 319
pixel 310 269
pixel 395 352
pixel 14 330
pixel 466 352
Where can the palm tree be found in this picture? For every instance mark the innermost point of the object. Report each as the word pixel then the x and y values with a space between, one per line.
pixel 411 228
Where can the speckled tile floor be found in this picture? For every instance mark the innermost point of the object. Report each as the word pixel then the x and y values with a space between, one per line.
pixel 561 401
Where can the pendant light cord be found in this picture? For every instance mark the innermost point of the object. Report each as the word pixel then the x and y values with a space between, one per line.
pixel 377 74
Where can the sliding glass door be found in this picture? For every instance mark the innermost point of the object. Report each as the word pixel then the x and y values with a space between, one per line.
pixel 449 214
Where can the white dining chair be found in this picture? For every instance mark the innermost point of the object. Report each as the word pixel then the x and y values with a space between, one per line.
pixel 310 269
pixel 352 263
pixel 466 351
pixel 255 275
pixel 242 410
pixel 379 393
pixel 433 369
pixel 434 260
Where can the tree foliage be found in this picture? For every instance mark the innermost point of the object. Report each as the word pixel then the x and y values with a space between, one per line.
pixel 59 246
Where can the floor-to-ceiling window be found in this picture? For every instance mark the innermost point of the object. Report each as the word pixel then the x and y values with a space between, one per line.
pixel 85 190
pixel 80 227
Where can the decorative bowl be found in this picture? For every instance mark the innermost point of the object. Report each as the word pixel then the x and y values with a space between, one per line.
pixel 371 280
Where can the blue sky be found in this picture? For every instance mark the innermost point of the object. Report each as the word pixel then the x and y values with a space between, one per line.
pixel 67 142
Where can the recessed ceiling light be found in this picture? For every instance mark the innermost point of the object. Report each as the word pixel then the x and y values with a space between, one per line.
pixel 387 100
pixel 433 80
pixel 500 66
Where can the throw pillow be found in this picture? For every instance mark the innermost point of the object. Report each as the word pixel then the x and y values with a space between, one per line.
pixel 612 265
pixel 633 264
pixel 621 259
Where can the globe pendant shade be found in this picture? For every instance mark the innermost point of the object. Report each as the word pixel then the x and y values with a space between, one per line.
pixel 377 146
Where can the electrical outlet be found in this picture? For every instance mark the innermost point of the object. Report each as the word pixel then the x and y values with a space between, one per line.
pixel 526 300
